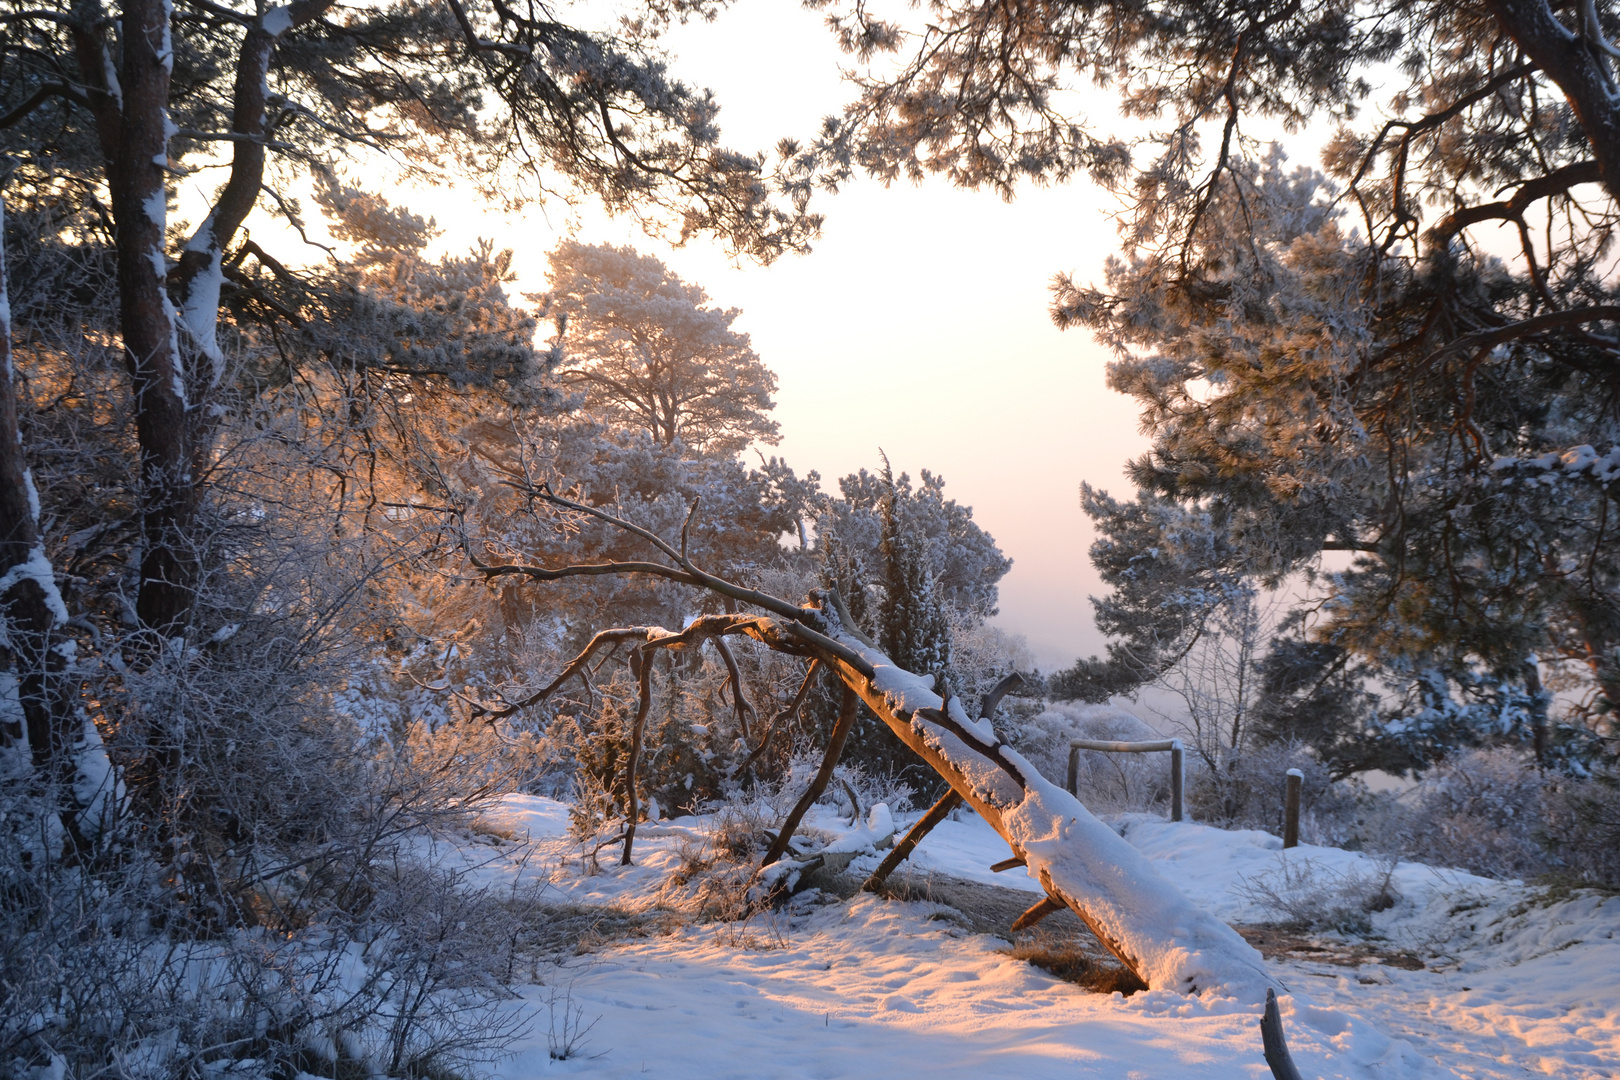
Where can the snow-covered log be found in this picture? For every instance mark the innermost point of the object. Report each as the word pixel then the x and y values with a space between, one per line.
pixel 1144 919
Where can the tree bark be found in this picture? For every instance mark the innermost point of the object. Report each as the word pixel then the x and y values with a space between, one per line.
pixel 172 354
pixel 136 162
pixel 641 665
pixel 32 653
pixel 1576 66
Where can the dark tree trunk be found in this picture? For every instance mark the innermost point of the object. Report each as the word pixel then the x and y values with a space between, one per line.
pixel 1575 63
pixel 30 607
pixel 135 168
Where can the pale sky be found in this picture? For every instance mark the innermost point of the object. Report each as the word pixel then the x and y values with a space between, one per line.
pixel 918 325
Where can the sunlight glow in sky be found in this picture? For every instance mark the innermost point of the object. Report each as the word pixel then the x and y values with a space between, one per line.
pixel 918 325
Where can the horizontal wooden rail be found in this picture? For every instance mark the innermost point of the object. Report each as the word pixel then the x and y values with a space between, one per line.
pixel 1111 747
pixel 1124 747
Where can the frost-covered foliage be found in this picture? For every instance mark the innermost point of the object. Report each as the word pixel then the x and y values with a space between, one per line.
pixel 1167 570
pixel 1480 572
pixel 912 626
pixel 697 749
pixel 914 570
pixel 392 309
pixel 1497 813
pixel 648 353
pixel 1301 893
pixel 223 853
pixel 965 562
pixel 96 976
pixel 1481 811
pixel 1404 353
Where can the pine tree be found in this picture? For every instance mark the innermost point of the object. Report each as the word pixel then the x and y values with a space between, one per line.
pixel 649 352
pixel 1345 360
pixel 912 625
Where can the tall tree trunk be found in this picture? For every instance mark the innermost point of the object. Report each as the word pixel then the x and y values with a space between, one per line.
pixel 173 357
pixel 135 167
pixel 35 662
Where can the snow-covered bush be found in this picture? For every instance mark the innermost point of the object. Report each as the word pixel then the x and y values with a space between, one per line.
pixel 694 748
pixel 1496 813
pixel 1582 828
pixel 1480 810
pixel 92 982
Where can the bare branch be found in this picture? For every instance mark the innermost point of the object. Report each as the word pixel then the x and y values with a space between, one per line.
pixel 987 707
pixel 687 525
pixel 1490 338
pixel 1556 182
pixel 576 666
pixel 39 97
pixel 784 716
pixel 829 761
pixel 735 676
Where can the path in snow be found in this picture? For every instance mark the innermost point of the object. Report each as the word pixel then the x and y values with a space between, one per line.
pixel 875 988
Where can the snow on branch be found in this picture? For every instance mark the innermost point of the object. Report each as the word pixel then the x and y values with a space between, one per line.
pixel 1168 941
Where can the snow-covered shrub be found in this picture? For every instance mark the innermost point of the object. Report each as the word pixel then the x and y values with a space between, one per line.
pixel 1481 810
pixel 237 888
pixel 1582 828
pixel 103 973
pixel 1496 813
pixel 684 762
pixel 1300 892
pixel 1245 789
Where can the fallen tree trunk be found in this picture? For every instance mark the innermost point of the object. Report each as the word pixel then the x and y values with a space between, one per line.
pixel 1155 931
pixel 1138 915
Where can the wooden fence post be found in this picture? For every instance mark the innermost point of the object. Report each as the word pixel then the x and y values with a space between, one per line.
pixel 1177 779
pixel 1291 809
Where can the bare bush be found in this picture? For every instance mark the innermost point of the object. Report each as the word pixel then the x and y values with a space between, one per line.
pixel 93 982
pixel 1304 894
pixel 568 1032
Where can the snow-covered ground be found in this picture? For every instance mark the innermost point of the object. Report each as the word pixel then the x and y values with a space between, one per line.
pixel 1513 983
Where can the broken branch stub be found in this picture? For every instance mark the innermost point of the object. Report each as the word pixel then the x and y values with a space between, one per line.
pixel 902 851
pixel 1035 914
